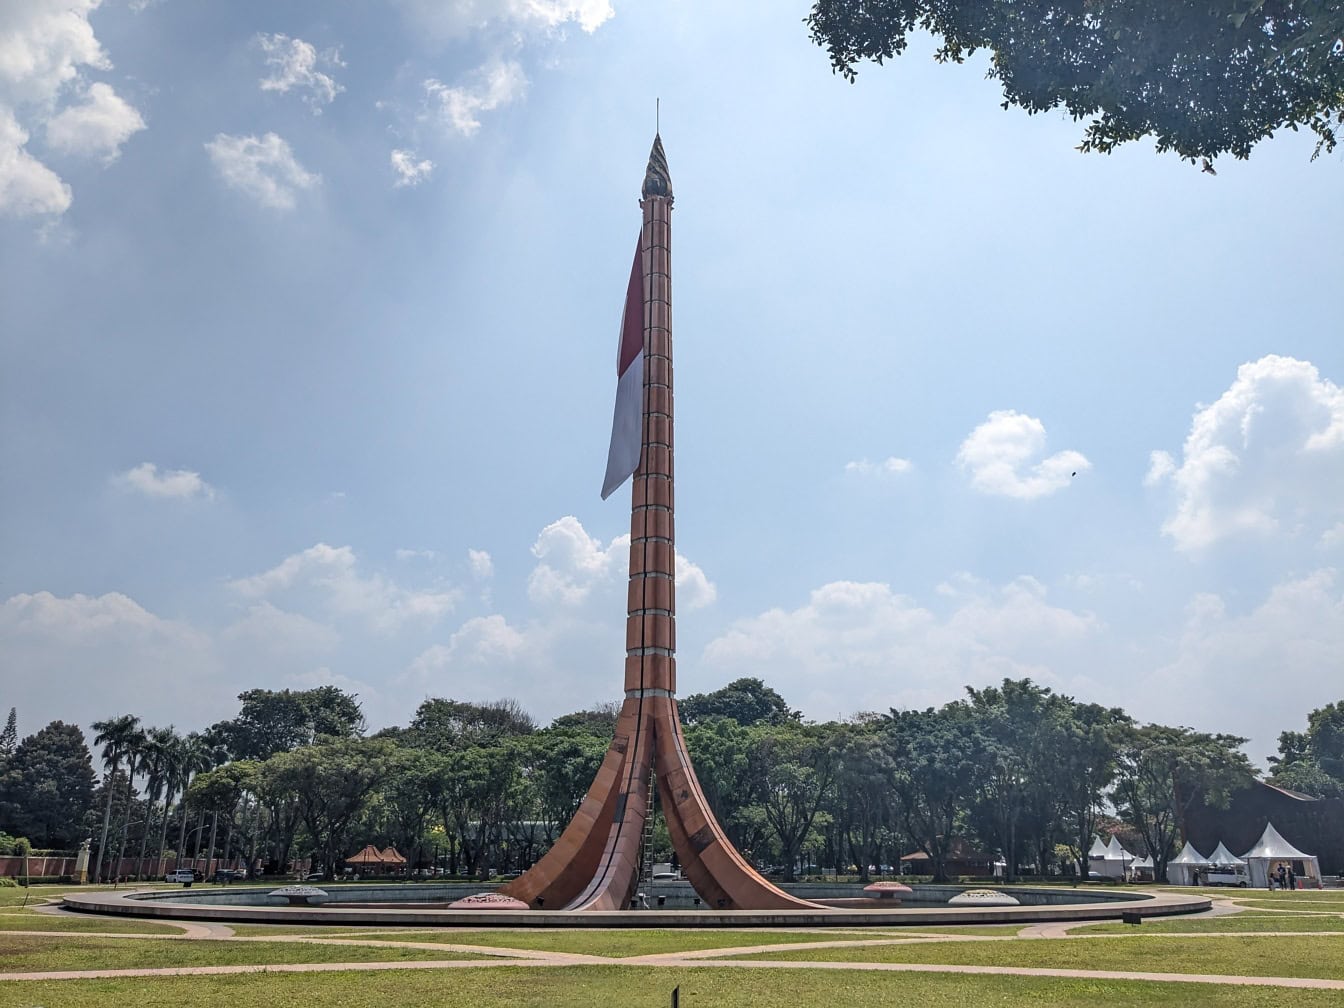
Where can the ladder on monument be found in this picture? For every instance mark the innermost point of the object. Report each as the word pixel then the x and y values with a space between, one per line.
pixel 646 859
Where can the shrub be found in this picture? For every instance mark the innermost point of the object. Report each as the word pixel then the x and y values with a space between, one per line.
pixel 7 883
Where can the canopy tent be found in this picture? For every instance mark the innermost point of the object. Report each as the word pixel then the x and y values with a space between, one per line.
pixel 391 858
pixel 1109 859
pixel 1222 856
pixel 1182 868
pixel 1143 866
pixel 1273 850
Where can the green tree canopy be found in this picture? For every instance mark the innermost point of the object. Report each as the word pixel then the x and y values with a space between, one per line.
pixel 273 721
pixel 46 791
pixel 1202 77
pixel 747 701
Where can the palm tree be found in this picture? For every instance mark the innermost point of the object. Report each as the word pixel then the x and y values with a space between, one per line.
pixel 162 777
pixel 194 756
pixel 113 735
pixel 136 750
pixel 152 768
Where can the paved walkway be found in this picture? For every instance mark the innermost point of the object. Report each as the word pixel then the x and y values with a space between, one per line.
pixel 716 958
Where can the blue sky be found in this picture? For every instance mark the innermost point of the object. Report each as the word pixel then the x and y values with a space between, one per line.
pixel 308 315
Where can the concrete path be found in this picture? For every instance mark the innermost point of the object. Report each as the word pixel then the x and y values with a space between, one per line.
pixel 503 957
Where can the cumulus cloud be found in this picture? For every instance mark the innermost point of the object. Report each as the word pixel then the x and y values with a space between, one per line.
pixel 1267 457
pixel 482 566
pixel 81 658
pixel 45 48
pixel 573 566
pixel 293 65
pixel 326 579
pixel 890 467
pixel 860 646
pixel 1003 457
pixel 146 478
pixel 408 170
pixel 492 86
pixel 28 188
pixel 264 169
pixel 1258 671
pixel 99 126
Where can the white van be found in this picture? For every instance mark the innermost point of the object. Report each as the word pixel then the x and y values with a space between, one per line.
pixel 184 875
pixel 1228 875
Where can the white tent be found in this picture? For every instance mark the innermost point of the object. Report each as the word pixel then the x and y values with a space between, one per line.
pixel 1110 860
pixel 1222 856
pixel 1142 870
pixel 1181 869
pixel 1273 850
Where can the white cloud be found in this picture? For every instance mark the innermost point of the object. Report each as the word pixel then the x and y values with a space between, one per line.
pixel 28 188
pixel 860 646
pixel 999 455
pixel 325 578
pixel 409 171
pixel 459 18
pixel 482 566
pixel 293 67
pixel 1267 457
pixel 180 483
pixel 98 127
pixel 83 658
pixel 890 467
pixel 573 563
pixel 494 84
pixel 45 45
pixel 1258 672
pixel 411 554
pixel 264 168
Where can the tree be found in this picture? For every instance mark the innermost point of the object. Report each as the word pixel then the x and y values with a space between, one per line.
pixel 1202 77
pixel 273 721
pixel 1087 769
pixel 1313 761
pixel 115 736
pixel 9 738
pixel 331 783
pixel 747 701
pixel 46 790
pixel 862 793
pixel 443 725
pixel 938 755
pixel 794 766
pixel 1164 772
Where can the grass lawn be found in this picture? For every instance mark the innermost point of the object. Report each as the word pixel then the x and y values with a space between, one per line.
pixel 25 953
pixel 1335 905
pixel 640 987
pixel 614 943
pixel 1222 925
pixel 1309 956
pixel 16 920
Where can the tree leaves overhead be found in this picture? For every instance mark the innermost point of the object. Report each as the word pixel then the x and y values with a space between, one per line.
pixel 1202 77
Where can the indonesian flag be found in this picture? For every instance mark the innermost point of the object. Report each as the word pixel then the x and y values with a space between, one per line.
pixel 628 417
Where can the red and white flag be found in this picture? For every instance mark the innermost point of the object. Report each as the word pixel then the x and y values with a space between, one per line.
pixel 627 420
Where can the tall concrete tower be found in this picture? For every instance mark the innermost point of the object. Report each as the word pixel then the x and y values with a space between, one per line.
pixel 595 864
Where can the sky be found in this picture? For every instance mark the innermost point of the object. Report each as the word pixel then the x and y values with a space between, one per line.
pixel 308 315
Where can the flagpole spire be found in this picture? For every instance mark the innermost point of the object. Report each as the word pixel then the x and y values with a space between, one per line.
pixel 657 178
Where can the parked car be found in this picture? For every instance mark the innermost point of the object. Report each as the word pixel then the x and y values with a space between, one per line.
pixel 185 876
pixel 317 876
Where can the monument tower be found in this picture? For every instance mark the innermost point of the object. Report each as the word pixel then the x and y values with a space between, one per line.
pixel 595 864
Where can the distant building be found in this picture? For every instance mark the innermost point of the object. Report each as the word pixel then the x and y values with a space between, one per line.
pixel 1315 825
